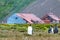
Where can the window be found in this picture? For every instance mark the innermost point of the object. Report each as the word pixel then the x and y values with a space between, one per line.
pixel 16 17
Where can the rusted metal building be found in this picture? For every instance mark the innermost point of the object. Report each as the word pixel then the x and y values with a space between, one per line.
pixel 50 16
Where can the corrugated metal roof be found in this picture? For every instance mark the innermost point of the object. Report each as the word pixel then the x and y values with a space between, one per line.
pixel 53 16
pixel 29 16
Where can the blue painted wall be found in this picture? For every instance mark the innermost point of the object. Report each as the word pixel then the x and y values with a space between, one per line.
pixel 14 19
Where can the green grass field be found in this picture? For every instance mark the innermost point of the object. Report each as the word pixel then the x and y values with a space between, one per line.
pixel 15 35
pixel 12 6
pixel 19 32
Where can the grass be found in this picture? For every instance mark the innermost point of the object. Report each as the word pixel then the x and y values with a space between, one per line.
pixel 12 6
pixel 15 35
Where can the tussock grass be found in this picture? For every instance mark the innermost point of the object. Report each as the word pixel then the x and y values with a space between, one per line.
pixel 16 35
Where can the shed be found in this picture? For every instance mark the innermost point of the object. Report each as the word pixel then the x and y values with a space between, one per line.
pixel 22 18
pixel 51 17
pixel 30 18
pixel 14 19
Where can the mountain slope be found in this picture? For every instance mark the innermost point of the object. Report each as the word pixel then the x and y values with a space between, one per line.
pixel 41 7
pixel 8 7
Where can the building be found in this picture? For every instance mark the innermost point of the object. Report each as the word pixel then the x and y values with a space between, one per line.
pixel 53 18
pixel 23 18
pixel 14 19
pixel 30 18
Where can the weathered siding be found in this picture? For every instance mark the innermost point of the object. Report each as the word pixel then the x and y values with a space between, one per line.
pixel 14 19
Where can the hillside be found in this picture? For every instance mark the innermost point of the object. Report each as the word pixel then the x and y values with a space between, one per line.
pixel 8 7
pixel 38 7
pixel 41 7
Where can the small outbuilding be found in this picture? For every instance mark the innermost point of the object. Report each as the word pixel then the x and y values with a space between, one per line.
pixel 30 18
pixel 14 19
pixel 23 18
pixel 53 18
